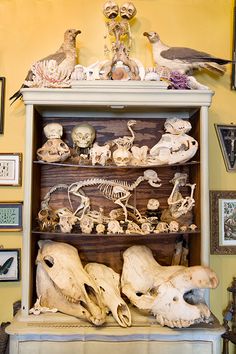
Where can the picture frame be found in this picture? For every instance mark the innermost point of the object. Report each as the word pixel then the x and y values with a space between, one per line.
pixel 2 102
pixel 227 139
pixel 10 169
pixel 223 222
pixel 9 264
pixel 233 76
pixel 11 216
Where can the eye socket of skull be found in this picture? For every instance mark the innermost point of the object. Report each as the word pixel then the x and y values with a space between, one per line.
pixel 128 11
pixel 49 261
pixel 83 135
pixel 110 9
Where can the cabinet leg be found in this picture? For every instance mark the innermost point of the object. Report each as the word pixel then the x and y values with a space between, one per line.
pixel 225 346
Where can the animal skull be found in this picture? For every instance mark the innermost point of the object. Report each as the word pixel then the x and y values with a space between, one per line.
pixel 54 150
pixel 173 226
pixel 66 219
pixel 83 135
pixel 86 224
pixel 128 10
pixel 110 9
pixel 62 283
pixel 161 227
pixel 173 294
pixel 53 131
pixel 121 156
pixel 108 282
pixel 100 154
pixel 153 204
pixel 177 126
pixel 48 219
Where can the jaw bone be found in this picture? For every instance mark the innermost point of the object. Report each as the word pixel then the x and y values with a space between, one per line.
pixel 108 282
pixel 173 294
pixel 62 283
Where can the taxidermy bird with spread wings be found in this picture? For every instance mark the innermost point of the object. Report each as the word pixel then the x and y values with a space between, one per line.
pixel 181 59
pixel 64 59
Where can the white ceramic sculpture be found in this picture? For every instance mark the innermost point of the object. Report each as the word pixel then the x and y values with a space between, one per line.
pixel 173 294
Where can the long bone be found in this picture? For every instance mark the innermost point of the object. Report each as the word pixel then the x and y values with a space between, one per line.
pixel 117 191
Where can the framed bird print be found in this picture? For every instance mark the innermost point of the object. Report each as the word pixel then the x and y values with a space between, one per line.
pixel 11 216
pixel 227 138
pixel 9 264
pixel 2 102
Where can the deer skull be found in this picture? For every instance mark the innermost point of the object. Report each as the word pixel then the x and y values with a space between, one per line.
pixel 173 294
pixel 62 283
pixel 108 282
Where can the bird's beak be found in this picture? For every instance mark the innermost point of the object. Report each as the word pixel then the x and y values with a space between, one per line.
pixel 146 34
pixel 77 32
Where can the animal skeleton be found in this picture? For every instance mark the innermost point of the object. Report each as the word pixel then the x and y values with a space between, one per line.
pixel 117 191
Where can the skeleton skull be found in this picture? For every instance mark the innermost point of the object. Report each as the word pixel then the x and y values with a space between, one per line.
pixel 127 10
pixel 177 126
pixel 48 219
pixel 54 150
pixel 108 282
pixel 153 204
pixel 62 283
pixel 86 224
pixel 53 131
pixel 110 9
pixel 173 226
pixel 83 135
pixel 174 294
pixel 121 156
pixel 161 227
pixel 66 219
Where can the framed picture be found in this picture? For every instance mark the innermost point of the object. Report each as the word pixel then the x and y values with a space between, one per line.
pixel 233 79
pixel 10 169
pixel 2 102
pixel 9 264
pixel 227 138
pixel 223 222
pixel 11 216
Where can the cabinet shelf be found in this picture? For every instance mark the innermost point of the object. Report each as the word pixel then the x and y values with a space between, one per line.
pixel 113 166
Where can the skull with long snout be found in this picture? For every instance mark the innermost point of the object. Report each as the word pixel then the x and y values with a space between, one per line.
pixel 108 281
pixel 62 283
pixel 173 294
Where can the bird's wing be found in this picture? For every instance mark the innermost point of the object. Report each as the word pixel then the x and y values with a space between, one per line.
pixel 190 55
pixel 59 57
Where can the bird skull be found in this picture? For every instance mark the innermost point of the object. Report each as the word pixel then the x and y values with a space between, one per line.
pixel 128 10
pixel 62 283
pixel 110 9
pixel 173 294
pixel 53 131
pixel 54 150
pixel 121 156
pixel 83 135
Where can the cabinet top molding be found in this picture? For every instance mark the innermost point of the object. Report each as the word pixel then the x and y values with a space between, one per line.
pixel 117 94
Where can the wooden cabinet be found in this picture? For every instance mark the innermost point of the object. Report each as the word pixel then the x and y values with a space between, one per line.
pixel 108 106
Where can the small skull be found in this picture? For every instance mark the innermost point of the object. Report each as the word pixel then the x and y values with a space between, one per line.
pixel 161 227
pixel 173 226
pixel 100 228
pixel 66 219
pixel 147 228
pixel 53 131
pixel 121 156
pixel 86 224
pixel 153 204
pixel 114 227
pixel 128 11
pixel 83 135
pixel 47 219
pixel 177 126
pixel 110 9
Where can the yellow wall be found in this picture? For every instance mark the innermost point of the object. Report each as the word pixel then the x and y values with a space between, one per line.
pixel 31 29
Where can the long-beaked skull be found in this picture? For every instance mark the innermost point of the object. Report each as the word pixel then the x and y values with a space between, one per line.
pixel 62 283
pixel 108 281
pixel 173 294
